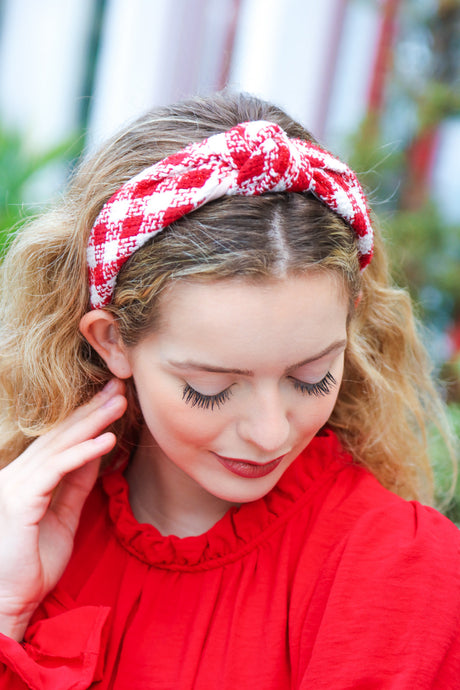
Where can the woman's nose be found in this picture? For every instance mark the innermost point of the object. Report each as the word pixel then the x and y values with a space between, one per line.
pixel 267 425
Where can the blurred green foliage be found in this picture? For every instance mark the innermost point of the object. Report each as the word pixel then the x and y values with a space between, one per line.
pixel 19 168
pixel 424 248
pixel 423 92
pixel 448 485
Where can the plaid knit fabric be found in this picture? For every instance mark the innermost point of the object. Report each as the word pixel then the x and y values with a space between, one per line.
pixel 250 159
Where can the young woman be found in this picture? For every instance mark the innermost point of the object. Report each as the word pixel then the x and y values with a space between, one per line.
pixel 202 312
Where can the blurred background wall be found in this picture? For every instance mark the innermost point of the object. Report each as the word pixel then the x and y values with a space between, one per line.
pixel 377 81
pixel 66 64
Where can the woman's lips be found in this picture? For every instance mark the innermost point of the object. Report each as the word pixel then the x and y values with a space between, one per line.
pixel 248 469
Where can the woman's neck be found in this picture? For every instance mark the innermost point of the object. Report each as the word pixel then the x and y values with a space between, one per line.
pixel 162 495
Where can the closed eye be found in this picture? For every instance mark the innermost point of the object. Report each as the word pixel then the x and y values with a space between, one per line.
pixel 206 402
pixel 319 388
pixel 196 399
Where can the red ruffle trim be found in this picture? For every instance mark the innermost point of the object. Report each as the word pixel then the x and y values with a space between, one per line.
pixel 237 531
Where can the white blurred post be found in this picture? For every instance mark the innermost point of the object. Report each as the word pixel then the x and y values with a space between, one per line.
pixel 43 54
pixel 154 52
pixel 446 171
pixel 135 55
pixel 354 70
pixel 282 53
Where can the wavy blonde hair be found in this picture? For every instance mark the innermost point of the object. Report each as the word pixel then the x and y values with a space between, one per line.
pixel 387 399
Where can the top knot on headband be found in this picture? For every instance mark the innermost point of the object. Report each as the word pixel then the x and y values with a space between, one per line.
pixel 248 160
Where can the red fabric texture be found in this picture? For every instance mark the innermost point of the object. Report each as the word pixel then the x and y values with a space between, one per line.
pixel 329 582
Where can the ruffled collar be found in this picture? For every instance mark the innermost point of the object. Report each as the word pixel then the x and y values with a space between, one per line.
pixel 239 530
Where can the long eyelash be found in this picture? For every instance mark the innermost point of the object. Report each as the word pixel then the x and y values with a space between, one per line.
pixel 196 399
pixel 320 388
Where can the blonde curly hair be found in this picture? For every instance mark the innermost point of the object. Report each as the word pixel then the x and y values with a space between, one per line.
pixel 387 399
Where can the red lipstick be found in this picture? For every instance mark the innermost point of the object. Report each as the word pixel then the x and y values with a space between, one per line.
pixel 248 469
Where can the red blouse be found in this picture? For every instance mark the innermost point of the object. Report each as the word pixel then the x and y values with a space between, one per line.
pixel 329 581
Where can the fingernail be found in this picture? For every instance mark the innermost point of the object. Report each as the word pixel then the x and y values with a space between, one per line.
pixel 102 439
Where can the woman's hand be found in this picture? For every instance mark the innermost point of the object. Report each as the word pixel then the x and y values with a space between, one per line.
pixel 41 497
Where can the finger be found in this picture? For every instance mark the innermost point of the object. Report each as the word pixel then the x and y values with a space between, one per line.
pixel 29 493
pixel 72 492
pixel 77 430
pixel 113 388
pixel 52 472
pixel 91 425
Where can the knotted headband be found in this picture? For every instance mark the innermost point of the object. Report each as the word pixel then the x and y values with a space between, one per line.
pixel 250 159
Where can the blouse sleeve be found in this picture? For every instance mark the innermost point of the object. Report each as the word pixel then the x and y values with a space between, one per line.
pixel 386 613
pixel 62 652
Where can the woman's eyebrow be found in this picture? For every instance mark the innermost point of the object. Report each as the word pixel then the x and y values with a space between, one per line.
pixel 199 366
pixel 190 364
pixel 337 345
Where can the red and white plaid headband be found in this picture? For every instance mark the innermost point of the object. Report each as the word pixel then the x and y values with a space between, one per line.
pixel 250 159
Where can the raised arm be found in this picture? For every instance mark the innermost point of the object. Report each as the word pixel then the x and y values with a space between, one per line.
pixel 41 497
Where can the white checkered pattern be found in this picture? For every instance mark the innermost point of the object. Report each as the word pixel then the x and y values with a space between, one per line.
pixel 248 160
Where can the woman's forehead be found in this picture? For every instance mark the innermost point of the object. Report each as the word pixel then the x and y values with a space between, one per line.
pixel 238 320
pixel 238 295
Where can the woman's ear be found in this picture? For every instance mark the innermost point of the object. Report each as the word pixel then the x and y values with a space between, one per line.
pixel 100 330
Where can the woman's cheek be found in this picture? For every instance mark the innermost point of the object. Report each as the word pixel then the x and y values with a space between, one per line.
pixel 174 418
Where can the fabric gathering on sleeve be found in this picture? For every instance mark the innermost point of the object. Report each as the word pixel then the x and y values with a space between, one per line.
pixel 329 581
pixel 62 652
